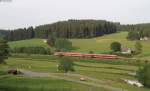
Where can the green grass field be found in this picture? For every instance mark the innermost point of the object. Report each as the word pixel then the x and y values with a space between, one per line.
pixel 97 45
pixel 102 44
pixel 13 83
pixel 30 43
pixel 111 73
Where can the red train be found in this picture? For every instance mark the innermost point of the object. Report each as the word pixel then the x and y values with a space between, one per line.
pixel 75 54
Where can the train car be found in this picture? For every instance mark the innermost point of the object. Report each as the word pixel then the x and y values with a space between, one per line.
pixel 76 54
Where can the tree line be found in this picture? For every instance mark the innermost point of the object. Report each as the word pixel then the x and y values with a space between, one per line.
pixel 4 50
pixel 65 29
pixel 137 31
pixel 18 34
pixel 31 50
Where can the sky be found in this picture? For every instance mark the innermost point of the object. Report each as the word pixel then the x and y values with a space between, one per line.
pixel 25 13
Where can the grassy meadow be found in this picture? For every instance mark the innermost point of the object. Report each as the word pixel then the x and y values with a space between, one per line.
pixel 97 45
pixel 105 72
pixel 102 44
pixel 29 43
pixel 109 73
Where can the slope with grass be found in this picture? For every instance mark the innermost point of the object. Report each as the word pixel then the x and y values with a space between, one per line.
pixel 97 45
pixel 29 43
pixel 19 83
pixel 109 74
pixel 102 44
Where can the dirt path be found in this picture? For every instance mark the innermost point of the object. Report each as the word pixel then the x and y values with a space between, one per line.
pixel 68 77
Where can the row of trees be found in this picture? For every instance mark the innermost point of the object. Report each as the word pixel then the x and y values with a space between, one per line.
pixel 65 29
pixel 137 32
pixel 31 50
pixel 83 28
pixel 4 50
pixel 18 34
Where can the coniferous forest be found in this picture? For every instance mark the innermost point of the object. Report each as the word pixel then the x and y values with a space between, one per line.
pixel 138 31
pixel 77 29
pixel 65 29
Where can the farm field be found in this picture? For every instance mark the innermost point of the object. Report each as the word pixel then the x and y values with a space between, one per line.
pixel 102 44
pixel 105 74
pixel 97 45
pixel 28 43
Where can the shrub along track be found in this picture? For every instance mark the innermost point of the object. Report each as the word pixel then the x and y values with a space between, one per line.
pixel 71 77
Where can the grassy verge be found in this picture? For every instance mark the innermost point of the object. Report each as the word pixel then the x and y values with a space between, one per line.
pixel 13 83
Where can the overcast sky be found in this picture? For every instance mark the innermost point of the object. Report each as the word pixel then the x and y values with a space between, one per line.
pixel 23 13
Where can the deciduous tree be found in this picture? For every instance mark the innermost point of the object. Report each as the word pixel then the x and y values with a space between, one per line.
pixel 66 64
pixel 4 50
pixel 115 46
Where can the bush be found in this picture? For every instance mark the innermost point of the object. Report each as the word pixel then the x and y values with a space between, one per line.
pixel 91 52
pixel 116 46
pixel 144 75
pixel 63 45
pixel 138 47
pixel 66 64
pixel 32 50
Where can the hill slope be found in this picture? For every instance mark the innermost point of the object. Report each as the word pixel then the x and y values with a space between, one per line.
pixel 97 45
pixel 101 44
pixel 30 43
